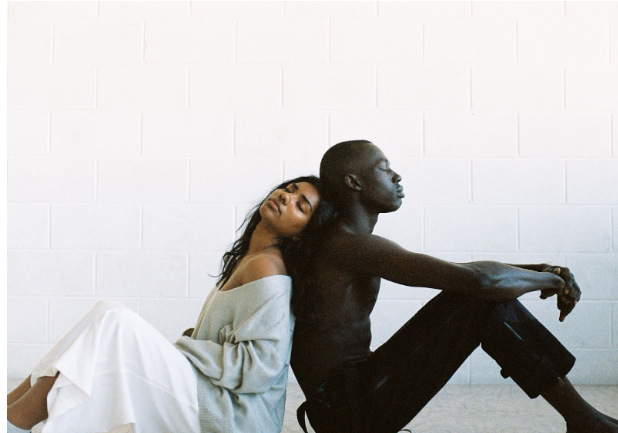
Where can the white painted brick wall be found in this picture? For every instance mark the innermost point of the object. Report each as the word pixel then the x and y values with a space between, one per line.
pixel 27 133
pixel 140 133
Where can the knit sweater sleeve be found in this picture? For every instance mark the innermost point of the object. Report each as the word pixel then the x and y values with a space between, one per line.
pixel 250 352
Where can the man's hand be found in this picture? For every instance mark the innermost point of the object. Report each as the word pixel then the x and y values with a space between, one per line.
pixel 568 296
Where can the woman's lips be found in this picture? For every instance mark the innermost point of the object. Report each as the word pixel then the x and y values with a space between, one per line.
pixel 274 205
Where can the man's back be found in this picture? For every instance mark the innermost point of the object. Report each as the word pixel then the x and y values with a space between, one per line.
pixel 340 330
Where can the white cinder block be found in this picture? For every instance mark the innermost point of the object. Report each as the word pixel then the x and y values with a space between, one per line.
pixel 276 40
pixel 281 134
pixel 562 228
pixel 518 10
pixel 595 367
pixel 236 9
pixel 422 9
pixel 371 40
pixel 469 40
pixel 189 41
pixel 390 315
pixel 479 134
pixel 27 133
pixel 301 167
pixel 587 327
pixel 27 226
pixel 613 43
pixel 51 180
pixel 187 133
pixel 592 9
pixel 21 358
pixel 615 136
pixel 188 227
pixel 562 41
pixel 470 228
pixel 404 227
pixel 51 87
pixel 65 313
pixel 498 87
pixel 97 42
pixel 142 87
pixel 50 273
pixel 435 181
pixel 241 212
pixel 231 181
pixel 43 10
pixel 142 180
pixel 592 88
pixel 95 226
pixel 426 87
pixel 233 86
pixel 564 134
pixel 204 269
pixel 29 42
pixel 142 274
pixel 27 320
pixel 329 86
pixel 171 317
pixel 485 371
pixel 397 133
pixel 330 8
pixel 146 10
pixel 95 133
pixel 517 181
pixel 592 181
pixel 596 275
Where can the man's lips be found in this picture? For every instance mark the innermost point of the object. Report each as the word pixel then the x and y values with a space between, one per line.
pixel 400 192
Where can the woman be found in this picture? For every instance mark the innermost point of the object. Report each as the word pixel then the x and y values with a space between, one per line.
pixel 115 372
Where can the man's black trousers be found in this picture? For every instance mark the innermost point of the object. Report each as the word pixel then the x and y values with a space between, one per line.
pixel 384 392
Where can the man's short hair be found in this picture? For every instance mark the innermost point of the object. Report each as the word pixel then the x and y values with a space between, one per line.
pixel 337 162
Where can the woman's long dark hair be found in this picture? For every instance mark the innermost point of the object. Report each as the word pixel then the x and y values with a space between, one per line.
pixel 297 254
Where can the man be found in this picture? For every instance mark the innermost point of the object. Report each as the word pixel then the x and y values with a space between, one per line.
pixel 351 389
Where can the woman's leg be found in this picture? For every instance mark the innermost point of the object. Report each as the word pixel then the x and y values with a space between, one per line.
pixel 579 415
pixel 31 408
pixel 16 394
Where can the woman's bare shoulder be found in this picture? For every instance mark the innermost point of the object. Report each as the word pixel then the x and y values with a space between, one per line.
pixel 263 265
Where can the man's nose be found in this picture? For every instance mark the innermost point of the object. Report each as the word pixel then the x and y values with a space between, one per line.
pixel 396 177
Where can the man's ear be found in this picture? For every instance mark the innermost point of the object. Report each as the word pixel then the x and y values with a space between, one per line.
pixel 352 181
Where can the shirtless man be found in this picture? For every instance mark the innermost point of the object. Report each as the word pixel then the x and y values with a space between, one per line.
pixel 351 389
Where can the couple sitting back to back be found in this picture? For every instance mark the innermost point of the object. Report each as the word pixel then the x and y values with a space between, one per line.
pixel 229 373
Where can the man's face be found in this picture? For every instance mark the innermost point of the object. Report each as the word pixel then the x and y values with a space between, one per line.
pixel 380 189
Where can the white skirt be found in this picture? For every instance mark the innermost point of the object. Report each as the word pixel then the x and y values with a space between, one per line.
pixel 118 373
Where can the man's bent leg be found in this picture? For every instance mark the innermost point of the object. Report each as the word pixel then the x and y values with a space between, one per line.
pixel 407 371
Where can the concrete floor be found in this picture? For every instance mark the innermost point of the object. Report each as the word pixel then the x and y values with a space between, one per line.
pixel 473 409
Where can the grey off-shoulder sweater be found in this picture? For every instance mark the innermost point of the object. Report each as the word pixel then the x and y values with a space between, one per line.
pixel 241 350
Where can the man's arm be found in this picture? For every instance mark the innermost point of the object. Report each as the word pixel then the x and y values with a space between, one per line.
pixel 374 255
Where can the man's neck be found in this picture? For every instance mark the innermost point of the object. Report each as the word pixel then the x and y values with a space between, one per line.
pixel 358 220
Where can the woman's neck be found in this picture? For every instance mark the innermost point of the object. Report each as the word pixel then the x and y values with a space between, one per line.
pixel 261 239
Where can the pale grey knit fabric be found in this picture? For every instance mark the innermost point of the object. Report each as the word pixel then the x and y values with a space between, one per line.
pixel 241 349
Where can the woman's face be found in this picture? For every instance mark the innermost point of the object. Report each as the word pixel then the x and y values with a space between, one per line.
pixel 289 210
